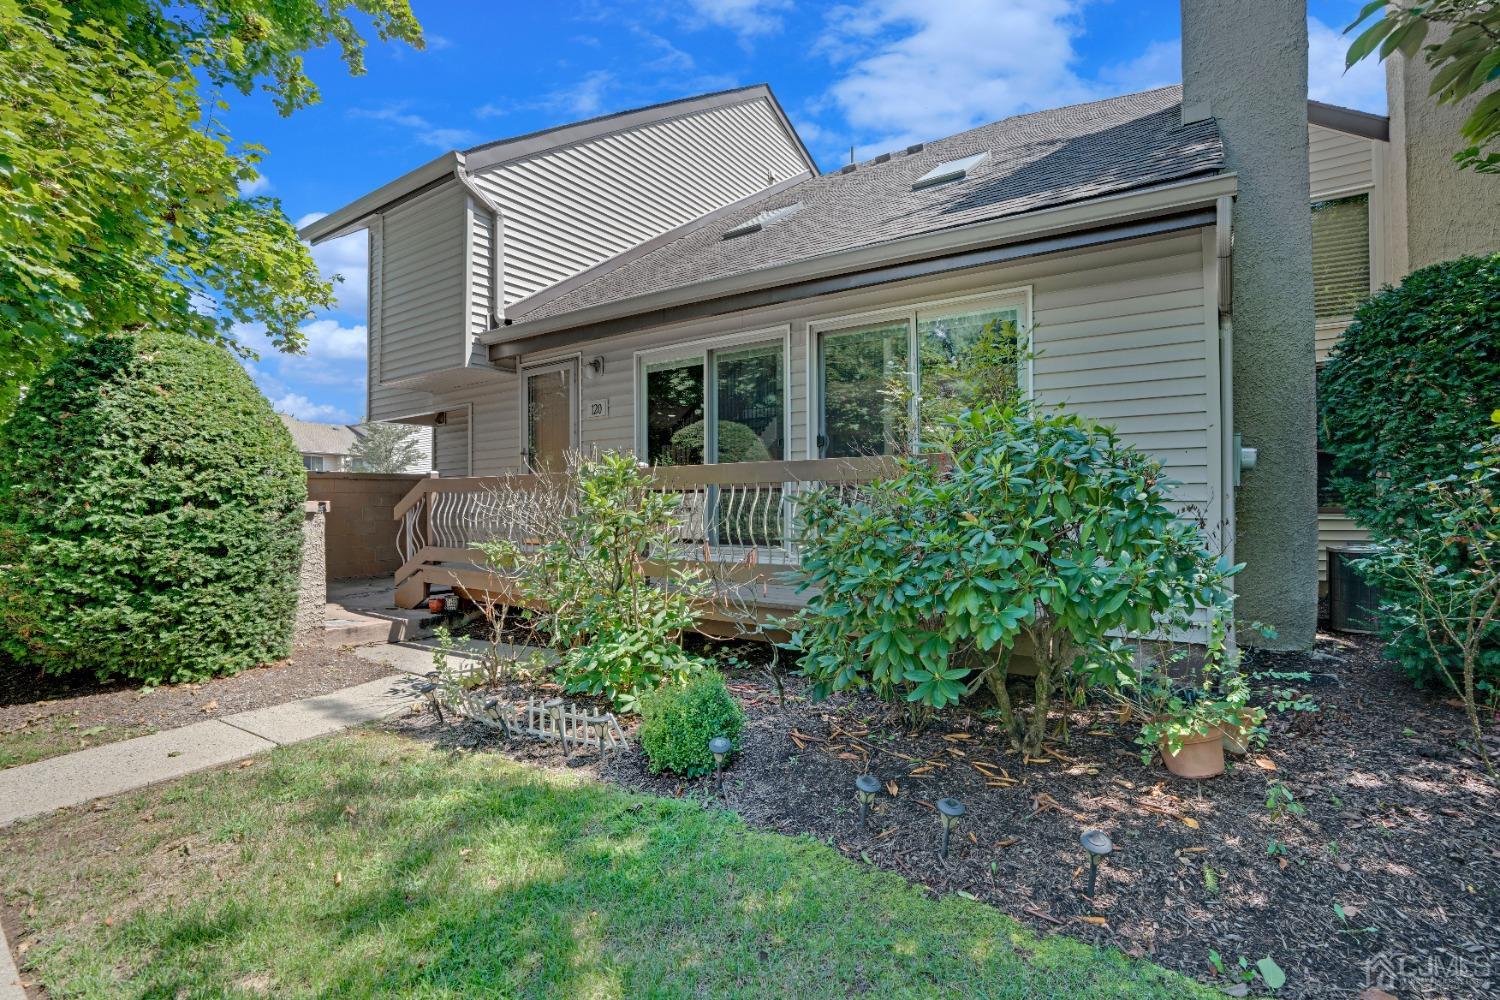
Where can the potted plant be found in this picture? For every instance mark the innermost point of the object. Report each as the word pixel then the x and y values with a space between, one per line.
pixel 1193 727
pixel 1190 735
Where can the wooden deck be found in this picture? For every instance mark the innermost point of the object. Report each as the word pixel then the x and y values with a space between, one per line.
pixel 740 526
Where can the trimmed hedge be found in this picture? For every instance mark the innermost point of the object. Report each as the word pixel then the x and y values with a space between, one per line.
pixel 150 515
pixel 1407 393
pixel 678 720
pixel 1410 388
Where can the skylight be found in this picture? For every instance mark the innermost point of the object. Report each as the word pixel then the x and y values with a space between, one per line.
pixel 761 221
pixel 953 170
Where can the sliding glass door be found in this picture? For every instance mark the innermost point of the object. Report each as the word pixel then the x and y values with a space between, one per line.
pixel 882 385
pixel 715 405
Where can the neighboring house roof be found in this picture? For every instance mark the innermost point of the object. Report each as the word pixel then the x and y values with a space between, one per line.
pixel 319 439
pixel 352 216
pixel 1039 160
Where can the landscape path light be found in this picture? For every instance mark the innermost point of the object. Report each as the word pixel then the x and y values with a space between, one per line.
pixel 866 786
pixel 720 746
pixel 1098 844
pixel 951 810
pixel 431 691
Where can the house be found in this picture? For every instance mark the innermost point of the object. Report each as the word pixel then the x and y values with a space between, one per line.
pixel 681 281
pixel 330 447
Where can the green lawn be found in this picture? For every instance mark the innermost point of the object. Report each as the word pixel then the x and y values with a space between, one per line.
pixel 57 735
pixel 366 864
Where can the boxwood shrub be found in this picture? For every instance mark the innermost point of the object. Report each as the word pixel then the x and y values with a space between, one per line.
pixel 678 720
pixel 150 515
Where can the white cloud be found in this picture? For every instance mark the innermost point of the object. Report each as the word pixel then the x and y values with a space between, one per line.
pixel 303 408
pixel 917 70
pixel 746 18
pixel 348 257
pixel 1362 87
pixel 436 43
pixel 1159 66
pixel 259 184
pixel 586 97
pixel 421 129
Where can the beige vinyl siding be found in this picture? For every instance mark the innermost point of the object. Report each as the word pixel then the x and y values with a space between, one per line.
pixel 481 278
pixel 1339 163
pixel 1327 336
pixel 1121 333
pixel 1335 528
pixel 422 295
pixel 450 443
pixel 568 209
pixel 383 402
pixel 1120 337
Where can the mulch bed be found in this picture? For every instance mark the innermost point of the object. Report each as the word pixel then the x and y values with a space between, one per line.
pixel 27 699
pixel 1399 825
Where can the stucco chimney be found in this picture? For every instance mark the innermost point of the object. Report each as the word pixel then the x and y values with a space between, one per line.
pixel 1244 64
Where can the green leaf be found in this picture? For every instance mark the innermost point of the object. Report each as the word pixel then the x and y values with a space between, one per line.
pixel 1271 973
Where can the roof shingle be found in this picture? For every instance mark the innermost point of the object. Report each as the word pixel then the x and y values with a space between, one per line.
pixel 1038 160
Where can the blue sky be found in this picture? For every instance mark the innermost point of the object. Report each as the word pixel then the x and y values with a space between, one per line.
pixel 874 74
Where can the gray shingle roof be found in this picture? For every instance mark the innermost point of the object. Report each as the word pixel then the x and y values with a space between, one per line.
pixel 319 439
pixel 1036 161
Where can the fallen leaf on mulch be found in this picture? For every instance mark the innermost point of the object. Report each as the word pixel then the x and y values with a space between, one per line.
pixel 1264 763
pixel 1096 921
pixel 244 764
pixel 1007 842
pixel 1189 822
pixel 1375 993
pixel 211 705
pixel 893 788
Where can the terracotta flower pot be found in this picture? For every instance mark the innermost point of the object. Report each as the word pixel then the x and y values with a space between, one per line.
pixel 1201 756
pixel 437 605
pixel 1237 737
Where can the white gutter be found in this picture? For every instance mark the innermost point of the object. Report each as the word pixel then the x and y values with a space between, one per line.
pixel 496 251
pixel 355 215
pixel 1130 206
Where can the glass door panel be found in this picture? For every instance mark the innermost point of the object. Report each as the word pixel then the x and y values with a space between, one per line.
pixel 750 404
pixel 550 418
pixel 674 412
pixel 864 371
pixel 750 422
pixel 963 354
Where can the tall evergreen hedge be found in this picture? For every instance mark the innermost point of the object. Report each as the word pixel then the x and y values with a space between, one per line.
pixel 150 515
pixel 1407 393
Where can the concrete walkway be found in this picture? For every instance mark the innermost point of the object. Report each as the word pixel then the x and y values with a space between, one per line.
pixel 76 778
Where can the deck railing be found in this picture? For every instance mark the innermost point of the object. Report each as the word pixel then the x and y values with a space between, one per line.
pixel 744 515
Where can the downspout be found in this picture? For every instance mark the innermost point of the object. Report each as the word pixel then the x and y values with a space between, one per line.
pixel 1229 443
pixel 496 284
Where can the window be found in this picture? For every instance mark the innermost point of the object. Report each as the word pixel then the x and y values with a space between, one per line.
pixel 721 404
pixel 870 392
pixel 953 170
pixel 863 371
pixel 1340 256
pixel 960 352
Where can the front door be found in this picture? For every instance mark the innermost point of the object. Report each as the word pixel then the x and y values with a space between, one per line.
pixel 551 414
